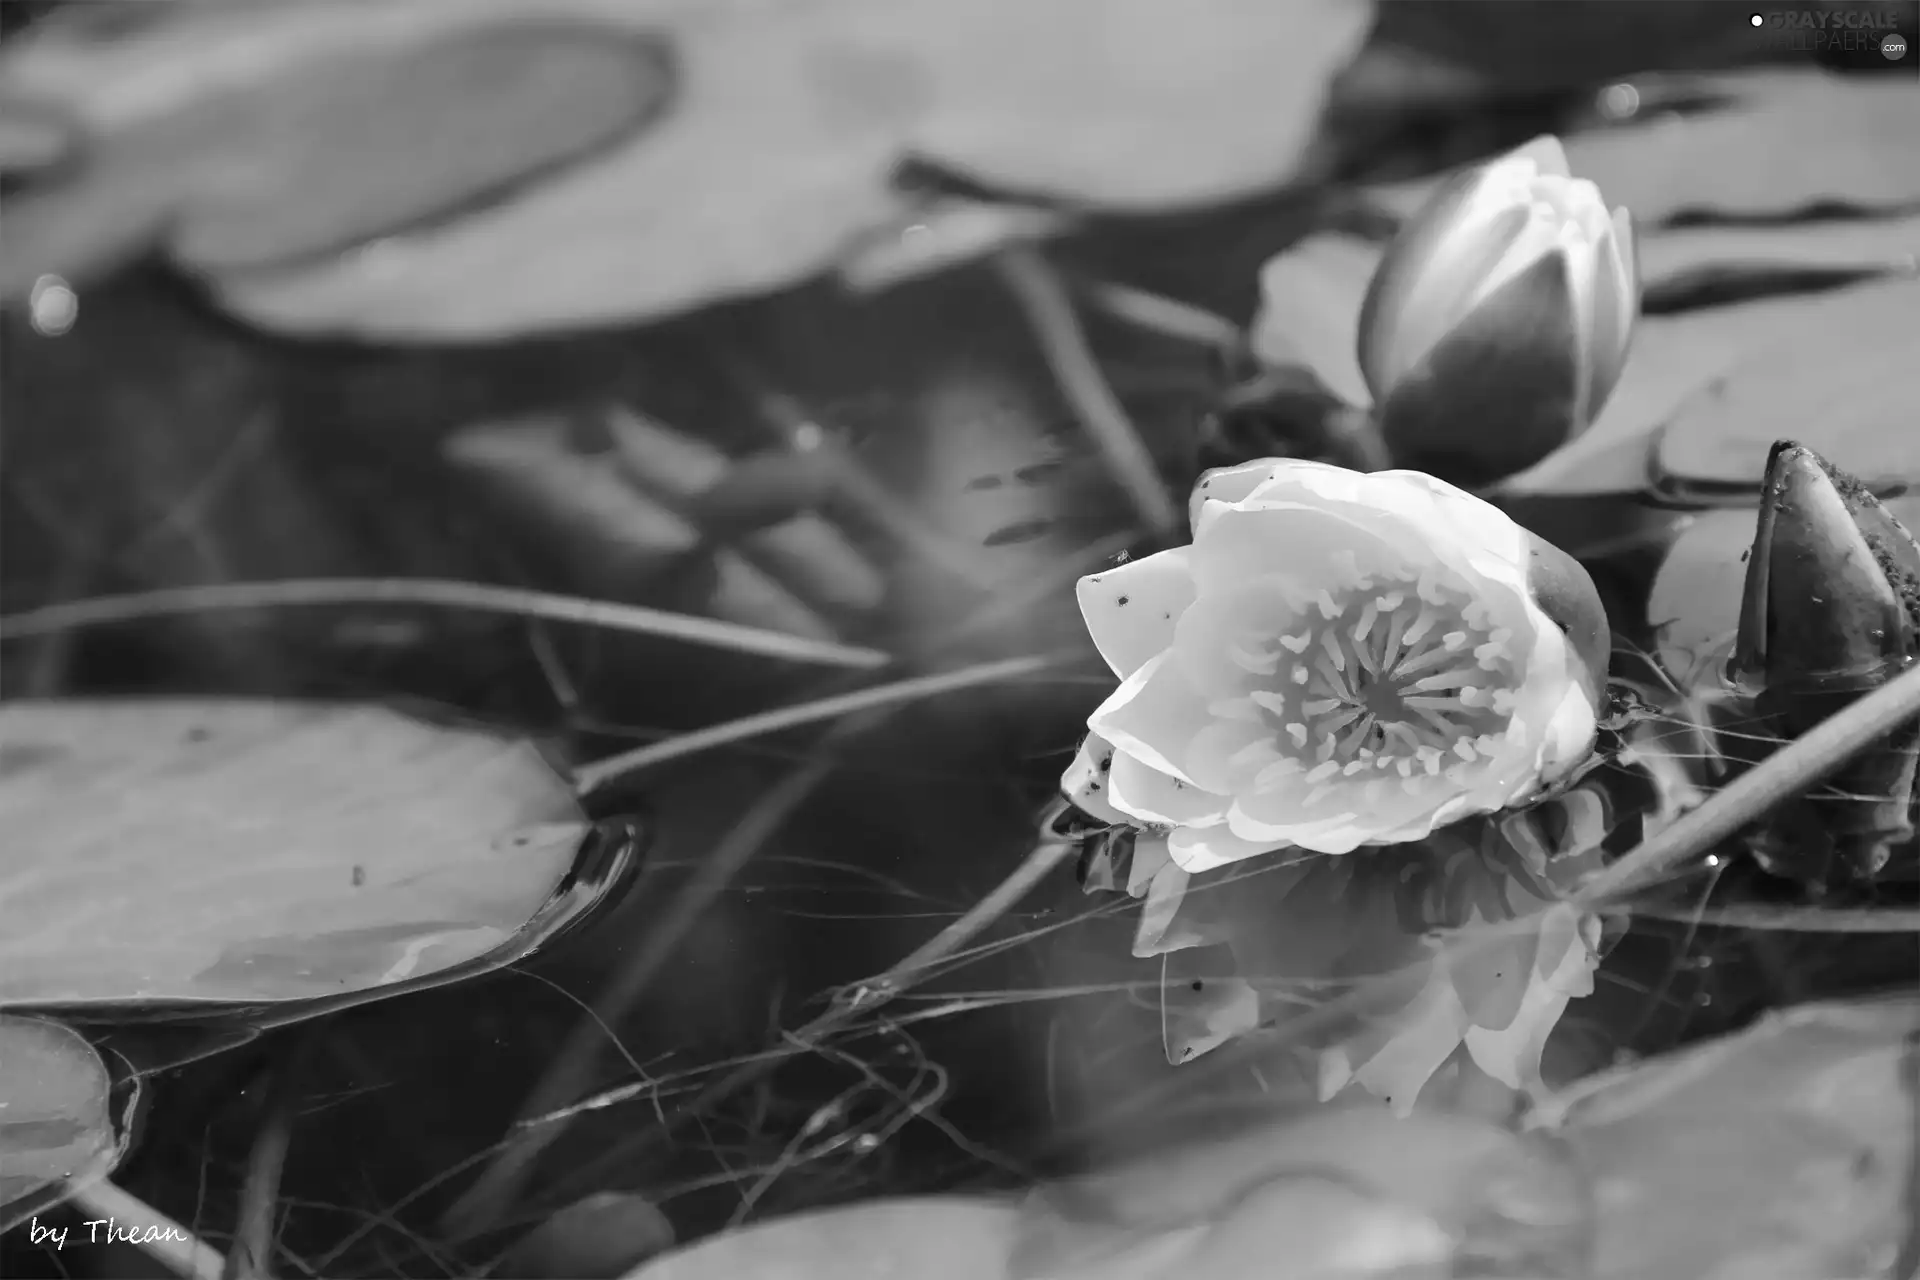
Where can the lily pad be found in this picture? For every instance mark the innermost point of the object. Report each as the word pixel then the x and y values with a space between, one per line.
pixel 1783 1150
pixel 607 1234
pixel 1850 139
pixel 56 1115
pixel 932 1238
pixel 1842 385
pixel 775 161
pixel 1310 310
pixel 197 855
pixel 1684 365
pixel 1695 603
pixel 350 145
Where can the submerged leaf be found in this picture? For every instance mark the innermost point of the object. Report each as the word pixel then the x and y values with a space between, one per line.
pixel 621 538
pixel 255 852
pixel 56 1122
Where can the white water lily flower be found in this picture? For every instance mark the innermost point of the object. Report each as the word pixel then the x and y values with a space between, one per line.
pixel 1339 659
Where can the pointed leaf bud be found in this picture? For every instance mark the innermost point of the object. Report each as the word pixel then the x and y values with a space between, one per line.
pixel 1831 611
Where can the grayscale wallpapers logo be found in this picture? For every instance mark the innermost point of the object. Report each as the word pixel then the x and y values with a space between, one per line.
pixel 1832 30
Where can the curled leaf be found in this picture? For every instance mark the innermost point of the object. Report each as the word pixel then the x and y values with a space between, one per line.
pixel 56 1117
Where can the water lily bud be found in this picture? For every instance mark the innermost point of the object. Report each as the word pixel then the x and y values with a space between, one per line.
pixel 1831 611
pixel 1500 318
pixel 1339 659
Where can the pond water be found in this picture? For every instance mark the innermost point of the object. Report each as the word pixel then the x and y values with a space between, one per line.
pixel 853 488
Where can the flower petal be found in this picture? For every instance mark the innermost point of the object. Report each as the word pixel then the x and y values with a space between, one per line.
pixel 1425 1035
pixel 1203 1004
pixel 1290 542
pixel 1199 849
pixel 1145 794
pixel 1165 892
pixel 1131 610
pixel 1493 978
pixel 1615 308
pixel 1511 1055
pixel 1340 821
pixel 1224 756
pixel 1545 153
pixel 1233 484
pixel 1085 781
pixel 1459 200
pixel 1438 514
pixel 1568 738
pixel 1149 858
pixel 1153 715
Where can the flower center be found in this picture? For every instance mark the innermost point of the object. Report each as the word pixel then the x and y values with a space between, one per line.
pixel 1402 677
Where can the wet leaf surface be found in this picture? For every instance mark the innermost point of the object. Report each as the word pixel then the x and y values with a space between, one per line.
pixel 254 852
pixel 599 1238
pixel 1850 138
pixel 939 1239
pixel 56 1121
pixel 231 177
pixel 1842 386
pixel 1784 1150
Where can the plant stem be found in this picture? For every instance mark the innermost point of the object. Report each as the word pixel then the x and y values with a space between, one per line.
pixel 446 593
pixel 602 773
pixel 1788 772
pixel 167 1241
pixel 1049 311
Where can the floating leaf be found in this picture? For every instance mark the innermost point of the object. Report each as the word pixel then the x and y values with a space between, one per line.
pixel 260 853
pixel 233 178
pixel 1310 310
pixel 949 1238
pixel 1842 386
pixel 56 1115
pixel 1497 1193
pixel 1677 360
pixel 1673 258
pixel 600 1237
pixel 1782 1151
pixel 33 137
pixel 1851 139
pixel 777 157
